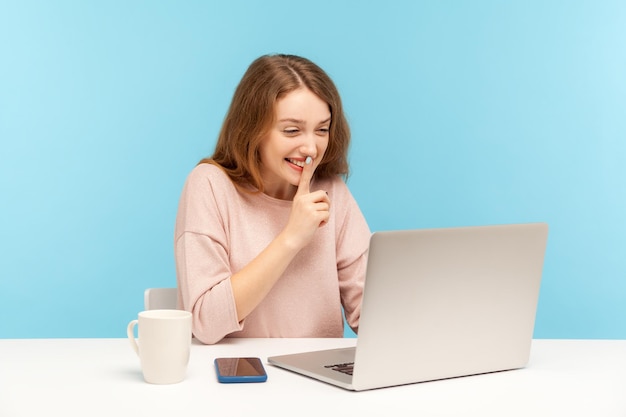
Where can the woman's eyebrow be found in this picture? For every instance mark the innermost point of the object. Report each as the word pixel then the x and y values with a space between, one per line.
pixel 298 121
pixel 290 120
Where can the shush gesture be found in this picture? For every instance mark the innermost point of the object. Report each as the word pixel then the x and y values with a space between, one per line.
pixel 310 210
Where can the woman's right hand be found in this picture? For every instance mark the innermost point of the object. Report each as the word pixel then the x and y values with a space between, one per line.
pixel 309 211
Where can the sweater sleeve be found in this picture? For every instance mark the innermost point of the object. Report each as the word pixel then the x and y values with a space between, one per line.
pixel 353 235
pixel 201 254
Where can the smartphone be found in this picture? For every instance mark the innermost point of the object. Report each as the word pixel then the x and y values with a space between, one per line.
pixel 230 370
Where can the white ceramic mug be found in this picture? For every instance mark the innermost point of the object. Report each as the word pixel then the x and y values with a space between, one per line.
pixel 164 341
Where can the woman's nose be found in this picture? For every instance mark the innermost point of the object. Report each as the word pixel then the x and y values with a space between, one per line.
pixel 309 145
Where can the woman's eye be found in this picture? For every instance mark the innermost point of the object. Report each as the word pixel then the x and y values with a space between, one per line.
pixel 323 130
pixel 291 131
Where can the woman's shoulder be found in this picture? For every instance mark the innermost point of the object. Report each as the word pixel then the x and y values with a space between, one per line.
pixel 212 174
pixel 206 169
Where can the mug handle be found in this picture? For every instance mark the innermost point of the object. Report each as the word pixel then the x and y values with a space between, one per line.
pixel 131 335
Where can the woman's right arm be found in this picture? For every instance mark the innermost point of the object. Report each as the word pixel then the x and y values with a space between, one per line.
pixel 201 254
pixel 218 298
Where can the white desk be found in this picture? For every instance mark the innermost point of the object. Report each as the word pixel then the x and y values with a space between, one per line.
pixel 94 377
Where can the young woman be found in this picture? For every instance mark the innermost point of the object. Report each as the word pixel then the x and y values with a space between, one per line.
pixel 269 242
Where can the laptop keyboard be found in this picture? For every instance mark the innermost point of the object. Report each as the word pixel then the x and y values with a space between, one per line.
pixel 344 368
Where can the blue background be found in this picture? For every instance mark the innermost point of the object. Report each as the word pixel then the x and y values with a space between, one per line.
pixel 463 113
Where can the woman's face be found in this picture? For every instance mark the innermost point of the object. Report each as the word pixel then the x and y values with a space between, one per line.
pixel 301 129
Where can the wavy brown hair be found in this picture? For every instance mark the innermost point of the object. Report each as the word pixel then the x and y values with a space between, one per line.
pixel 252 114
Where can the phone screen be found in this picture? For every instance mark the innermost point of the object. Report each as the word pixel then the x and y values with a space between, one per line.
pixel 240 370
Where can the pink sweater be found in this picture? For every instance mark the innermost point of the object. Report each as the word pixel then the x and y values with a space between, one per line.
pixel 220 229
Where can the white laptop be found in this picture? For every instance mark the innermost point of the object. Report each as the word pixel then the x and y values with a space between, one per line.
pixel 438 303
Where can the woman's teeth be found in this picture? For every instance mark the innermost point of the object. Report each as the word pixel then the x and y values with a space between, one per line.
pixel 295 162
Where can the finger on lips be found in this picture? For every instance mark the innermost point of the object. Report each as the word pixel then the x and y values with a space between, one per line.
pixel 305 178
